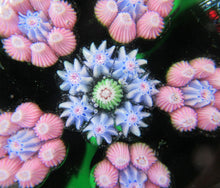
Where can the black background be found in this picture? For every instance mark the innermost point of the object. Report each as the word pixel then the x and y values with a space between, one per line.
pixel 188 36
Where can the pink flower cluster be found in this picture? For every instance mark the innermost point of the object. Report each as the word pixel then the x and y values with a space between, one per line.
pixel 192 95
pixel 131 166
pixel 37 31
pixel 30 145
pixel 130 19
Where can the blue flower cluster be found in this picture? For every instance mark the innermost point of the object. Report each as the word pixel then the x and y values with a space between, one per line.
pixel 23 144
pixel 34 25
pixel 198 93
pixel 132 177
pixel 106 93
pixel 135 8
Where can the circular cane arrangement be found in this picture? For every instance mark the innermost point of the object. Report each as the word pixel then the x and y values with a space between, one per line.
pixel 37 31
pixel 130 19
pixel 110 93
pixel 191 95
pixel 132 165
pixel 107 94
pixel 30 145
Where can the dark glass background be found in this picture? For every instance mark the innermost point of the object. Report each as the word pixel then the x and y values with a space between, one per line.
pixel 187 155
